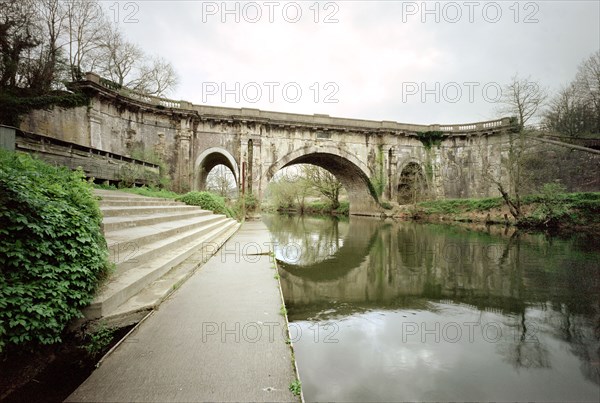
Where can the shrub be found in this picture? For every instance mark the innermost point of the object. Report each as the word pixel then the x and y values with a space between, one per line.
pixel 343 209
pixel 250 202
pixel 52 252
pixel 207 201
pixel 552 208
pixel 386 205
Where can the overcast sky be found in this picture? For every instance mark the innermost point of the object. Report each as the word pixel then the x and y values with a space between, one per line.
pixel 385 60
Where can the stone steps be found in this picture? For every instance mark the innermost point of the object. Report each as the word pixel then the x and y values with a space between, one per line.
pixel 116 211
pixel 137 247
pixel 155 245
pixel 140 203
pixel 115 223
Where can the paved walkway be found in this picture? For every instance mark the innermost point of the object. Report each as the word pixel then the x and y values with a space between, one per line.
pixel 220 337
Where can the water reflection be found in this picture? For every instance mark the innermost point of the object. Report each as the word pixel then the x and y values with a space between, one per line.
pixel 433 312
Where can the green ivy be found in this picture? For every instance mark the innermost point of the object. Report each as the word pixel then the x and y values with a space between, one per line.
pixel 52 251
pixel 431 138
pixel 12 106
pixel 378 181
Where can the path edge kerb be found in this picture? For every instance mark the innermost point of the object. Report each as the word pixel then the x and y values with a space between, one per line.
pixel 287 324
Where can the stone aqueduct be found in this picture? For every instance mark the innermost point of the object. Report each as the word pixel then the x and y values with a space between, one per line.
pixel 255 144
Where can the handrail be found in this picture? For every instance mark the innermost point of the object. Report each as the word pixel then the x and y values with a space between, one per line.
pixel 90 150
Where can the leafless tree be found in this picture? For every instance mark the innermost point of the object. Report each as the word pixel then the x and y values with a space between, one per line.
pixel 45 71
pixel 127 65
pixel 46 42
pixel 575 110
pixel 324 183
pixel 156 77
pixel 86 26
pixel 568 114
pixel 119 57
pixel 521 98
pixel 220 180
pixel 587 81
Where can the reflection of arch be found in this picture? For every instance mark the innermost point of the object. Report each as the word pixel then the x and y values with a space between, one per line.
pixel 411 183
pixel 348 169
pixel 209 159
pixel 354 251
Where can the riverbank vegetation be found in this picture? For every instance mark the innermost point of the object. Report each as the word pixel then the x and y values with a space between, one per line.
pixel 552 208
pixel 53 255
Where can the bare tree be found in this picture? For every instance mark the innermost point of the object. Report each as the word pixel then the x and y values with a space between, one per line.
pixel 587 80
pixel 156 77
pixel 323 182
pixel 575 110
pixel 86 26
pixel 220 180
pixel 119 57
pixel 127 65
pixel 522 98
pixel 45 67
pixel 411 187
pixel 568 114
pixel 587 83
pixel 45 42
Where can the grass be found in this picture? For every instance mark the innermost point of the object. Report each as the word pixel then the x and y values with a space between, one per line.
pixel 151 192
pixel 582 200
pixel 283 311
pixel 296 387
pixel 143 191
pixel 454 206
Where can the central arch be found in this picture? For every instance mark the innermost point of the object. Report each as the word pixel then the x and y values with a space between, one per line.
pixel 209 159
pixel 349 170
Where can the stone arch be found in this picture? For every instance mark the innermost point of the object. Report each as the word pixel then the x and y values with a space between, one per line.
pixel 350 171
pixel 412 182
pixel 209 159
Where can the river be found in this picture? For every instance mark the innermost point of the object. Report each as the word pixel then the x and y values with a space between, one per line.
pixel 404 311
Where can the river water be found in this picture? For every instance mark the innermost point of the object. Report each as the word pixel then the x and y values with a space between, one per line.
pixel 403 311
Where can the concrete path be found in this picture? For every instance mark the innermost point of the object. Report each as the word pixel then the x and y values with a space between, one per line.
pixel 220 337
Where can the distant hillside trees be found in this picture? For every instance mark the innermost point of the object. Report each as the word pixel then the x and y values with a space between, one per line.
pixel 575 110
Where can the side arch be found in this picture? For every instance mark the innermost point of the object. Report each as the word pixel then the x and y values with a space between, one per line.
pixel 350 171
pixel 412 181
pixel 209 159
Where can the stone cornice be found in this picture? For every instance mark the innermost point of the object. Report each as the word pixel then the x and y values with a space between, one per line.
pixel 95 85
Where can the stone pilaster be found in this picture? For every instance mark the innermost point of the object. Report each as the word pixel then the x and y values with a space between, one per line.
pixel 183 171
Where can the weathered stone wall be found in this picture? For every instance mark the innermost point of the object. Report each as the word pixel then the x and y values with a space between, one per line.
pixel 463 166
pixel 116 128
pixel 71 125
